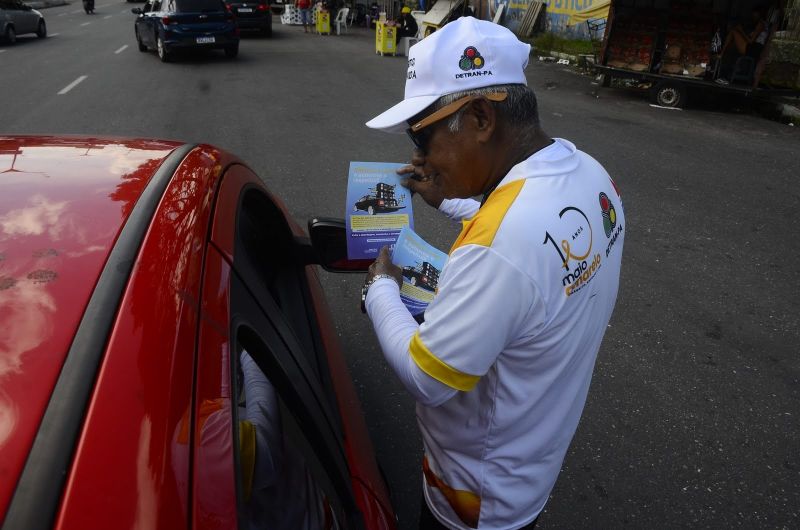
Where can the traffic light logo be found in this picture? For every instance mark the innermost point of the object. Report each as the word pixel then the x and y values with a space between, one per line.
pixel 471 60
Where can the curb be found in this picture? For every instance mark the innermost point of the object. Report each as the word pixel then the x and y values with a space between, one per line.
pixel 44 4
pixel 557 55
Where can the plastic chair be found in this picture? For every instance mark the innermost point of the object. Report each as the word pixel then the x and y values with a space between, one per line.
pixel 405 44
pixel 341 20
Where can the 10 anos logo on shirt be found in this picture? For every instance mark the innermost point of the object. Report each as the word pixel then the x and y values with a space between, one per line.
pixel 575 252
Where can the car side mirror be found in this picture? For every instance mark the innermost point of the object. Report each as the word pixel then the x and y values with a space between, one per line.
pixel 136 10
pixel 329 246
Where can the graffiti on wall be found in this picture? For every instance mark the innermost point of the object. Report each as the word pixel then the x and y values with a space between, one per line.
pixel 557 13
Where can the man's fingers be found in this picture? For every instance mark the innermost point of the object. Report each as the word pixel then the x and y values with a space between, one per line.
pixel 405 169
pixel 410 183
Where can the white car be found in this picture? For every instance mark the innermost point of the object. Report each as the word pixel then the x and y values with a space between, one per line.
pixel 17 18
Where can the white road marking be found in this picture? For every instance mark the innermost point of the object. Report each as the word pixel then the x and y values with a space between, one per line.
pixel 106 17
pixel 74 12
pixel 1 51
pixel 54 34
pixel 63 14
pixel 85 23
pixel 121 49
pixel 71 85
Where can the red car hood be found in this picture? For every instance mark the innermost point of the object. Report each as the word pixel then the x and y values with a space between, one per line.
pixel 63 201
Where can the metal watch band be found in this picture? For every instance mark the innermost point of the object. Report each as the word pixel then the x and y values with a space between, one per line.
pixel 367 285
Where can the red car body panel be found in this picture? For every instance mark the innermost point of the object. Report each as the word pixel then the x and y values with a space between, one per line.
pixel 144 457
pixel 214 489
pixel 133 451
pixel 62 205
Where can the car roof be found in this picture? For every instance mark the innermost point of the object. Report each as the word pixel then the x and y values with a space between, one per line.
pixel 63 203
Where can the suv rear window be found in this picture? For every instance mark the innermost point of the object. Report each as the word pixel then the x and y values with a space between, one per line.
pixel 199 6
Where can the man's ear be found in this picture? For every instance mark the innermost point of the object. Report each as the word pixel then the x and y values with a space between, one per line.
pixel 482 117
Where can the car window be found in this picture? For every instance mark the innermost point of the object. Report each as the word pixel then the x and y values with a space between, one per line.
pixel 148 7
pixel 266 256
pixel 168 6
pixel 199 6
pixel 279 488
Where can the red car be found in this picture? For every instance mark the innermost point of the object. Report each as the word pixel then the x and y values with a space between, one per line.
pixel 167 359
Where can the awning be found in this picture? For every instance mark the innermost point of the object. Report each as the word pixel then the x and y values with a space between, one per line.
pixel 598 10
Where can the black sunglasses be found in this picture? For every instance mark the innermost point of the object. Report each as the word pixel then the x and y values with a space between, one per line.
pixel 420 138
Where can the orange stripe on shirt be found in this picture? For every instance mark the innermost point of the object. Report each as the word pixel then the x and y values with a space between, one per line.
pixel 464 503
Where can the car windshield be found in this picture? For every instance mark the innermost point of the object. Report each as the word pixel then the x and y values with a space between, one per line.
pixel 199 6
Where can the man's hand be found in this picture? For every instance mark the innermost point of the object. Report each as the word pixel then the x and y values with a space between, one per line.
pixel 418 182
pixel 384 265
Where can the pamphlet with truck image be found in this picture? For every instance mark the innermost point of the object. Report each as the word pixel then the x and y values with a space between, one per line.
pixel 421 264
pixel 378 207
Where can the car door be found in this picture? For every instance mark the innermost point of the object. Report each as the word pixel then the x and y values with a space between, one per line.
pixel 268 441
pixel 144 24
pixel 14 14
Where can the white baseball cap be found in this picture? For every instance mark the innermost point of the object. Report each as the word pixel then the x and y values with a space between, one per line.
pixel 465 54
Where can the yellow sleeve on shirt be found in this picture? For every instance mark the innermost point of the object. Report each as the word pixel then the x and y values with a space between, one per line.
pixel 439 370
pixel 481 229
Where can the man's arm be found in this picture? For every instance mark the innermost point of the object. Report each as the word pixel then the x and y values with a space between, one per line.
pixel 395 327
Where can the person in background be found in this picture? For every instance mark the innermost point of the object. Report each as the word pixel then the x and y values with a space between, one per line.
pixel 304 6
pixel 749 39
pixel 406 24
pixel 500 368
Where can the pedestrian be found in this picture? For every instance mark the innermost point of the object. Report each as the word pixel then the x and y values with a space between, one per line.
pixel 407 25
pixel 500 367
pixel 304 6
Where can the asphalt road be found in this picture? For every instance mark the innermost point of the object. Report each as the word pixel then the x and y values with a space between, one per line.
pixel 692 418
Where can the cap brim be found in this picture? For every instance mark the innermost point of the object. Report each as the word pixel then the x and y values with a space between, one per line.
pixel 395 120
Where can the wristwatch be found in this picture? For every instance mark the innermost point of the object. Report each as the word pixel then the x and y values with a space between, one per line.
pixel 367 285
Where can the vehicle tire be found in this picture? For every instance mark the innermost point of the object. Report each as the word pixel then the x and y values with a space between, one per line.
pixel 142 47
pixel 605 80
pixel 231 51
pixel 161 48
pixel 11 35
pixel 41 31
pixel 669 95
pixel 370 210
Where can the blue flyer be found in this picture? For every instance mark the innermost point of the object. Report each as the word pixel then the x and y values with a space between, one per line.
pixel 421 264
pixel 378 207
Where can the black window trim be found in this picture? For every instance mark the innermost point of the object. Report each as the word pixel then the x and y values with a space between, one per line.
pixel 280 365
pixel 241 266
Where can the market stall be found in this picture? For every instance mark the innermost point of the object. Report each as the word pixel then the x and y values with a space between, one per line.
pixel 675 46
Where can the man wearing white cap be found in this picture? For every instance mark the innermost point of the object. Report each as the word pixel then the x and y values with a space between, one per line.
pixel 502 364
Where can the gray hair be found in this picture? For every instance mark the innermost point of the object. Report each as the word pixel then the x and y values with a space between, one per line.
pixel 519 110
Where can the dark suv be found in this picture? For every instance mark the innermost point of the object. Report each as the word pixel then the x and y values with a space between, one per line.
pixel 169 25
pixel 253 14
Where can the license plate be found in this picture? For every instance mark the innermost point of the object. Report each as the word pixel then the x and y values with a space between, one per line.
pixel 205 40
pixel 245 10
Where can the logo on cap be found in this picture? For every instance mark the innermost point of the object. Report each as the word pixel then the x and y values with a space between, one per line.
pixel 471 60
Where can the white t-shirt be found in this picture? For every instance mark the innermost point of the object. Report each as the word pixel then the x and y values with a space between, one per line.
pixel 522 305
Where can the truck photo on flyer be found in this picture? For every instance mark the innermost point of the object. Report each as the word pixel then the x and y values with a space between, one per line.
pixel 421 264
pixel 378 207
